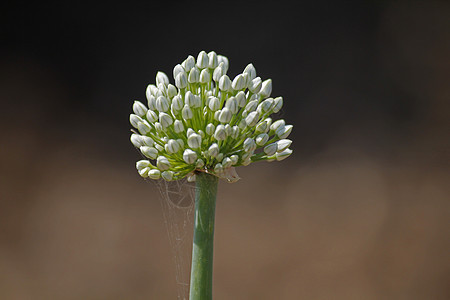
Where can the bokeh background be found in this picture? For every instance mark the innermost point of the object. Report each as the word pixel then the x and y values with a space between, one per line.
pixel 359 211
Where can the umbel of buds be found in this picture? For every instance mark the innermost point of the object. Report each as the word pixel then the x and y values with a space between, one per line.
pixel 207 122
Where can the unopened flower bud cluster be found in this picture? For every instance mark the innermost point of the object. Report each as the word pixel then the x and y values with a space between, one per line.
pixel 206 121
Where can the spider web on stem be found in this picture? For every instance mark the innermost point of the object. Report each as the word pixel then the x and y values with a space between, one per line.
pixel 177 200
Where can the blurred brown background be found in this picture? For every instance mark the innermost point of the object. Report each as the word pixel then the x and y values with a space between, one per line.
pixel 360 210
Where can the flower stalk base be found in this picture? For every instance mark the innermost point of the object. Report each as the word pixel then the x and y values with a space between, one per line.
pixel 202 249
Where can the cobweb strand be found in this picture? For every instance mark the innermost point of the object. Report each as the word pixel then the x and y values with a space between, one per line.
pixel 177 201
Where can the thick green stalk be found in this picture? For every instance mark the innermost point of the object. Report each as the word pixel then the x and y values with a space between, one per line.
pixel 202 249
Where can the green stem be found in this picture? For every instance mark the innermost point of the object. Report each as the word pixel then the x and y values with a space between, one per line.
pixel 202 249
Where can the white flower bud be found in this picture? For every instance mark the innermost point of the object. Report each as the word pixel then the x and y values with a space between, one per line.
pixel 255 85
pixel 283 131
pixel 162 104
pixel 178 126
pixel 149 152
pixel 269 122
pixel 161 90
pixel 194 141
pixel 189 132
pixel 213 150
pixel 154 174
pixel 254 97
pixel 188 63
pixel 241 99
pixel 201 133
pixel 162 163
pixel 270 149
pixel 218 72
pixel 251 106
pixel 247 80
pixel 202 60
pixel 134 120
pixel 172 146
pixel 278 104
pixel 219 156
pixel 228 129
pixel 218 168
pixel 252 119
pixel 189 99
pixel 246 155
pixel 189 156
pixel 242 124
pixel 152 117
pixel 214 103
pixel 165 120
pixel 251 71
pixel 227 162
pixel 161 77
pixel 261 139
pixel 277 124
pixel 144 127
pixel 225 83
pixel 177 70
pixel 139 108
pixel 247 161
pixel 136 140
pixel 181 143
pixel 144 172
pixel 147 141
pixel 225 115
pixel 282 155
pixel 177 103
pixel 265 106
pixel 262 127
pixel 224 60
pixel 191 177
pixel 249 145
pixel 171 91
pixel 210 128
pixel 232 105
pixel 186 113
pixel 181 80
pixel 159 147
pixel 208 98
pixel 234 159
pixel 197 101
pixel 141 164
pixel 235 132
pixel 238 83
pixel 220 133
pixel 194 76
pixel 167 175
pixel 151 101
pixel 212 60
pixel 283 144
pixel 205 76
pixel 151 90
pixel 217 114
pixel 199 163
pixel 266 88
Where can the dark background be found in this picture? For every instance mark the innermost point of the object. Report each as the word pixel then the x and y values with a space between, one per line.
pixel 359 211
